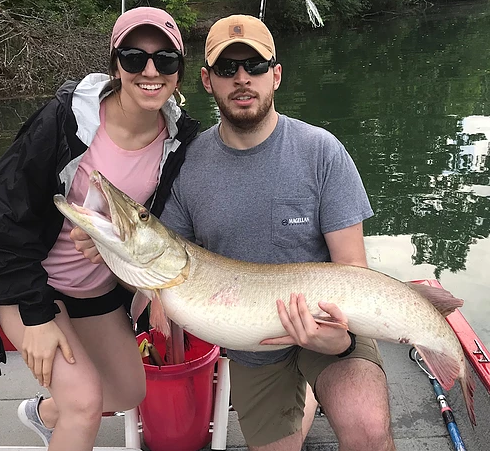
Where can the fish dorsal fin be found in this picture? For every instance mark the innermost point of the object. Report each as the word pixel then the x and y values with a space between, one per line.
pixel 440 298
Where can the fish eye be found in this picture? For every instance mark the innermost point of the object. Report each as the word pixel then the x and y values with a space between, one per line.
pixel 144 215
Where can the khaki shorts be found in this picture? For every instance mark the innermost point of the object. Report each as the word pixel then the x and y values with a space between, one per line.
pixel 270 399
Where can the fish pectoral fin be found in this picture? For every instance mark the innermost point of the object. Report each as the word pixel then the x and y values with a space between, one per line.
pixel 440 298
pixel 158 317
pixel 332 322
pixel 138 305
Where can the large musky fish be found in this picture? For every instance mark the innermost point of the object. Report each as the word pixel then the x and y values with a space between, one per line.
pixel 233 304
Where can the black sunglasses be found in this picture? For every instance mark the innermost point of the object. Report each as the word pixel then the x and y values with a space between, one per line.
pixel 225 67
pixel 134 60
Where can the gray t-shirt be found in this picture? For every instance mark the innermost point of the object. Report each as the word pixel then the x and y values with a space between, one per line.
pixel 268 204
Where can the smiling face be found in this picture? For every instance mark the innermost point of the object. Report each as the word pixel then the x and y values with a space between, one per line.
pixel 147 90
pixel 244 100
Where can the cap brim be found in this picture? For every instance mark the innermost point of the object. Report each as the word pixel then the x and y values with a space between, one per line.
pixel 128 30
pixel 257 46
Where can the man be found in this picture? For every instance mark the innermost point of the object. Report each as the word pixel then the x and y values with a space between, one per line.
pixel 262 187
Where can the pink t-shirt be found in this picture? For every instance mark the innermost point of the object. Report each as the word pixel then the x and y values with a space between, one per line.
pixel 135 173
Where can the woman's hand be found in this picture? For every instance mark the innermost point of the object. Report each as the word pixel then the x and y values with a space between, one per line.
pixel 328 337
pixel 85 245
pixel 39 348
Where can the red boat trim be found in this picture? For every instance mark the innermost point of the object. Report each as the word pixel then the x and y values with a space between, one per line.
pixel 474 349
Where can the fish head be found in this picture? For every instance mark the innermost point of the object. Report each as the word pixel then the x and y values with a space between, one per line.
pixel 134 244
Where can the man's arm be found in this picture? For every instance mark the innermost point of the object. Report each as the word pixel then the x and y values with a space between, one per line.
pixel 346 246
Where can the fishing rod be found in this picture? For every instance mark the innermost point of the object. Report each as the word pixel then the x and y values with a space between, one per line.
pixel 446 411
pixel 262 10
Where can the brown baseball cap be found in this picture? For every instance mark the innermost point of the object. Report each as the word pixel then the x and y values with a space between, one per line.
pixel 239 28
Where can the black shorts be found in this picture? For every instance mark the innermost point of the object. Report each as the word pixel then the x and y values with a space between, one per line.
pixel 86 307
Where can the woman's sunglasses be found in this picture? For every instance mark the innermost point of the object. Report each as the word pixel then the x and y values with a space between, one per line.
pixel 134 60
pixel 225 67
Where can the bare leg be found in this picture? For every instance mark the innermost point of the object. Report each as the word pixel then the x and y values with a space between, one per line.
pixel 291 443
pixel 347 390
pixel 311 405
pixel 75 388
pixel 109 374
pixel 116 356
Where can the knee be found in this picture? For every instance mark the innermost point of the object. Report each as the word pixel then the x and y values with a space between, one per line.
pixel 84 409
pixel 372 433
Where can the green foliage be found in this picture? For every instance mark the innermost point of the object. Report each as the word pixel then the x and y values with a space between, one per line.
pixel 181 12
pixel 178 9
pixel 100 14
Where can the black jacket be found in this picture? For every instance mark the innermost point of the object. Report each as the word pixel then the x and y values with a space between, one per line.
pixel 41 162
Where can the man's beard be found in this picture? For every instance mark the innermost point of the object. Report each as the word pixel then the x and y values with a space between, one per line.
pixel 245 120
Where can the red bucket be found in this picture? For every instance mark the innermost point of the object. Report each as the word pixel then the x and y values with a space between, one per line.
pixel 6 342
pixel 177 409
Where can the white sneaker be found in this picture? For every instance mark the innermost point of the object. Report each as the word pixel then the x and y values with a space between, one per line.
pixel 28 413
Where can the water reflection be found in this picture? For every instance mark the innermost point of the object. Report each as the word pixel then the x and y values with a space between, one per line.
pixel 472 144
pixel 461 212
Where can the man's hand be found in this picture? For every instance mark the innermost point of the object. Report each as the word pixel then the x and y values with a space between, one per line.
pixel 329 337
pixel 85 245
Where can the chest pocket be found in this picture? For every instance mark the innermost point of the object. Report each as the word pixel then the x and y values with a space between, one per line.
pixel 294 221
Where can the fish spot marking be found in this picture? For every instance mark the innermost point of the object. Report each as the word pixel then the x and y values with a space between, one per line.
pixel 226 296
pixel 404 340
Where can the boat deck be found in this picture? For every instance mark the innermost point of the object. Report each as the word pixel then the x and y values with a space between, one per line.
pixel 417 422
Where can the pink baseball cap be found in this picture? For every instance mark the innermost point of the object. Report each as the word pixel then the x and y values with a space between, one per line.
pixel 145 15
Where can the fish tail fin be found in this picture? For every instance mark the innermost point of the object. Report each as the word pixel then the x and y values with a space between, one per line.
pixel 440 298
pixel 467 382
pixel 158 318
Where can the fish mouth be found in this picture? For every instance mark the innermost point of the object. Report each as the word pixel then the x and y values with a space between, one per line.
pixel 99 211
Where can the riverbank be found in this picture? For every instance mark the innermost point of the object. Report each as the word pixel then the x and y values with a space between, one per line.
pixel 37 55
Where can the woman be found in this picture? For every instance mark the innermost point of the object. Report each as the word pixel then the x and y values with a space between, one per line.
pixel 64 313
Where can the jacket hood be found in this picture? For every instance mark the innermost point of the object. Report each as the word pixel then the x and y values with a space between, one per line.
pixel 86 97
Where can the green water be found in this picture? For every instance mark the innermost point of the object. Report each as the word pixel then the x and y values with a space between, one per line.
pixel 410 99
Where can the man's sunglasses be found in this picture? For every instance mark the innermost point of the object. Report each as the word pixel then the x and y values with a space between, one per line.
pixel 134 60
pixel 225 67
